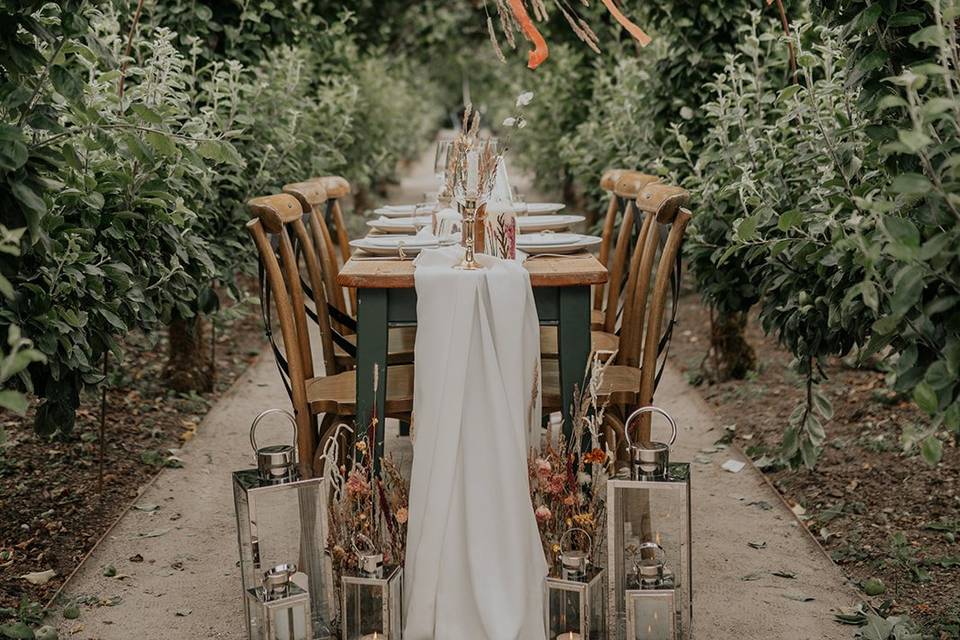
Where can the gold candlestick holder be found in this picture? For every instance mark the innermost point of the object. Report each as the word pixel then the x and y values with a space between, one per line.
pixel 469 213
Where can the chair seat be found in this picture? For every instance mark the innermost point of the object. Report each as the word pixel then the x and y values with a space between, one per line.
pixel 338 393
pixel 400 344
pixel 599 341
pixel 621 384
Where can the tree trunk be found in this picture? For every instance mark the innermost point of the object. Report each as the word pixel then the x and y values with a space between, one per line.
pixel 734 355
pixel 188 360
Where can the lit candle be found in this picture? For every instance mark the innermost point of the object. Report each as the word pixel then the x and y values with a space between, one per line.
pixel 372 636
pixel 569 636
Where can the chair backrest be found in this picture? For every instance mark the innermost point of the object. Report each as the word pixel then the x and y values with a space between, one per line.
pixel 624 187
pixel 313 198
pixel 653 277
pixel 338 187
pixel 278 231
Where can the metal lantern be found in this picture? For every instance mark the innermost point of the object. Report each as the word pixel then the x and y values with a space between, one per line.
pixel 281 517
pixel 575 604
pixel 649 510
pixel 372 596
pixel 279 609
pixel 651 598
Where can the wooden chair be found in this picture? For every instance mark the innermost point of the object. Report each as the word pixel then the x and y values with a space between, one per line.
pixel 282 239
pixel 337 187
pixel 624 186
pixel 630 380
pixel 313 199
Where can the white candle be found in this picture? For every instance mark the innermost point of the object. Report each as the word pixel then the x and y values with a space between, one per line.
pixel 473 172
pixel 569 636
pixel 372 636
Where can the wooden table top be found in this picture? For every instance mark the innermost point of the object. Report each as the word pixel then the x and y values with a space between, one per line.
pixel 569 271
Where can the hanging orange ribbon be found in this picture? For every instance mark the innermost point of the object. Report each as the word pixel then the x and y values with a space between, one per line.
pixel 625 22
pixel 539 52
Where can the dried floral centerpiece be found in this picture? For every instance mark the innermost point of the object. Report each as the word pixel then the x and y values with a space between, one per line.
pixel 568 486
pixel 472 168
pixel 368 519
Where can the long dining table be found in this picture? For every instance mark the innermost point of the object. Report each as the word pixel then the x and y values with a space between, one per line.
pixel 386 297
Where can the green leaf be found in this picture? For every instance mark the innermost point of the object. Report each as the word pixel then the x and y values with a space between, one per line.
pixel 925 397
pixel 747 228
pixel 14 401
pixel 147 114
pixel 932 450
pixel 67 83
pixel 162 143
pixel 34 208
pixel 13 151
pixel 938 376
pixel 789 219
pixel 870 297
pixel 911 183
pixel 902 230
pixel 914 139
pixel 868 17
pixel 16 631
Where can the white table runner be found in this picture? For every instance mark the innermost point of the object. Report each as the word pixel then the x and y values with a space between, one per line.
pixel 474 564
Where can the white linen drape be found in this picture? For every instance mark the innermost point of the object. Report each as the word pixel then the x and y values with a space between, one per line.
pixel 474 564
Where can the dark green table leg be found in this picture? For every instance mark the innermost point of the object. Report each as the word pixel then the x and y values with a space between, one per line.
pixel 372 354
pixel 574 346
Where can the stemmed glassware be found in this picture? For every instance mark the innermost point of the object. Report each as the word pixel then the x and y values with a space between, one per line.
pixel 440 169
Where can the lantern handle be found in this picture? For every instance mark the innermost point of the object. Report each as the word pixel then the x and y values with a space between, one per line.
pixel 264 414
pixel 571 530
pixel 368 543
pixel 674 431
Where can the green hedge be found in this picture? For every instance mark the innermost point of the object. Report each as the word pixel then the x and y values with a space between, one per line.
pixel 123 213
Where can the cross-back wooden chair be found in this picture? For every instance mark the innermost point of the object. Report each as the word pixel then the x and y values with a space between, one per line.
pixel 631 377
pixel 283 242
pixel 337 188
pixel 624 187
pixel 313 199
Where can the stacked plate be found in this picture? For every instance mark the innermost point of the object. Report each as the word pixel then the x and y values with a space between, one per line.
pixel 532 224
pixel 536 243
pixel 391 245
pixel 406 224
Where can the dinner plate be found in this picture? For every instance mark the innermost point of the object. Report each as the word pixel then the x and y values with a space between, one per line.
pixel 531 224
pixel 397 225
pixel 546 239
pixel 540 208
pixel 397 210
pixel 578 243
pixel 390 245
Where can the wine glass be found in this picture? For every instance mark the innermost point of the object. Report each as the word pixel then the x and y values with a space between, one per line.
pixel 440 161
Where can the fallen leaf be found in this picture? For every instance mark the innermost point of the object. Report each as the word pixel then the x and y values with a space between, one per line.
pixel 109 571
pixel 763 505
pixel 780 573
pixel 147 507
pixel 750 577
pixel 156 533
pixel 39 577
pixel 757 545
pixel 136 558
pixel 183 613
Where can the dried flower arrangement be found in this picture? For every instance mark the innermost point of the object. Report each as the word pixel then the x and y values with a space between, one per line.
pixel 568 490
pixel 361 503
pixel 514 16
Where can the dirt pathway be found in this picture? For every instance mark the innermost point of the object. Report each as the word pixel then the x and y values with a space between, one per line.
pixel 176 556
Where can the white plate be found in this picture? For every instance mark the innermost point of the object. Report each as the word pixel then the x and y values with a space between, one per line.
pixel 390 245
pixel 395 225
pixel 531 224
pixel 545 239
pixel 580 243
pixel 397 210
pixel 540 208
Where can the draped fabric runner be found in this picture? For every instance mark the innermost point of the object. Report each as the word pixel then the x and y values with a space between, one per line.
pixel 474 565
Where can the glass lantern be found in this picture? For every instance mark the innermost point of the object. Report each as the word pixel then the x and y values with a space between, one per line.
pixel 651 598
pixel 281 516
pixel 372 597
pixel 649 509
pixel 279 609
pixel 575 604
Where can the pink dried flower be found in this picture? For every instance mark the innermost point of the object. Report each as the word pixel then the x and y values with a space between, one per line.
pixel 543 514
pixel 543 466
pixel 357 484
